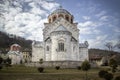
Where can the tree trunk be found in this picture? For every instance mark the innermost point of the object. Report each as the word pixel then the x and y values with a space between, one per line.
pixel 86 76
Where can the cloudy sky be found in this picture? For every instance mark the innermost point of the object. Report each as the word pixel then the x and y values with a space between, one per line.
pixel 98 20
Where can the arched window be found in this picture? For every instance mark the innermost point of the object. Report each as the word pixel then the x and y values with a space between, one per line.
pixel 67 17
pixel 60 46
pixel 54 18
pixel 17 48
pixel 14 48
pixel 74 48
pixel 47 48
pixel 71 20
pixel 61 15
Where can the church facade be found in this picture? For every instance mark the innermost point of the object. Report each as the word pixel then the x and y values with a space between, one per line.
pixel 60 40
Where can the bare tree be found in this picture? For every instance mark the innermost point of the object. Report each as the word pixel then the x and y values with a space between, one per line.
pixel 110 46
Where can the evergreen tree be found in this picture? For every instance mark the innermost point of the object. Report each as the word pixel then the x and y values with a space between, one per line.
pixel 108 76
pixel 113 64
pixel 1 60
pixel 41 69
pixel 101 73
pixel 117 78
pixel 8 60
pixel 85 67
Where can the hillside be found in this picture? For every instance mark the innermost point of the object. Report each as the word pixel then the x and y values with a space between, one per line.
pixel 101 52
pixel 98 54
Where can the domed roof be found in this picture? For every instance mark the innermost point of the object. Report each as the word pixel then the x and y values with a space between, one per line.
pixel 60 10
pixel 15 45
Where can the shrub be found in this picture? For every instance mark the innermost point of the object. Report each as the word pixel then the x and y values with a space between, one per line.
pixel 108 76
pixel 41 61
pixel 1 67
pixel 78 67
pixel 57 67
pixel 101 73
pixel 85 66
pixel 40 69
pixel 117 78
pixel 113 64
pixel 1 60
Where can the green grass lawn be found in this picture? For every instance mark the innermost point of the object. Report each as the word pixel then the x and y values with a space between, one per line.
pixel 31 73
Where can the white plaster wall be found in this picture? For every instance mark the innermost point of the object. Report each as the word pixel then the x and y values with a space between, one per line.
pixel 75 52
pixel 83 54
pixel 48 53
pixel 54 48
pixel 37 54
pixel 61 56
pixel 15 58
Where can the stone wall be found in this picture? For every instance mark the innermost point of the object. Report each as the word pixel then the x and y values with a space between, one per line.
pixel 62 64
pixel 37 53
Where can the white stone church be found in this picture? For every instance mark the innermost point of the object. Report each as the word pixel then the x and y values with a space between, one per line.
pixel 60 40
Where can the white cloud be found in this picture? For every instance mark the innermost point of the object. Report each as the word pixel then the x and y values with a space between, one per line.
pixel 101 13
pixel 87 24
pixel 104 18
pixel 85 31
pixel 88 27
pixel 29 23
pixel 49 6
pixel 28 0
pixel 117 30
pixel 97 42
pixel 36 8
pixel 86 17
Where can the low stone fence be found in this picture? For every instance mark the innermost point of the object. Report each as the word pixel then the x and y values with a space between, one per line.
pixel 62 64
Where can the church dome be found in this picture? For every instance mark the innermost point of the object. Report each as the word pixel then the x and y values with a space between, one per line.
pixel 60 12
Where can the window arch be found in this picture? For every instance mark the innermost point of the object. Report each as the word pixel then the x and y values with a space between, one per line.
pixel 60 15
pixel 54 18
pixel 61 45
pixel 71 20
pixel 47 48
pixel 67 17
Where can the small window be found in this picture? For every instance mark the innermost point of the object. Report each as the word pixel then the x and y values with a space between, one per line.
pixel 47 48
pixel 71 20
pixel 60 15
pixel 67 17
pixel 74 48
pixel 61 46
pixel 54 18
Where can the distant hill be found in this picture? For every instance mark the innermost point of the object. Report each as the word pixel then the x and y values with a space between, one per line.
pixel 102 52
pixel 8 39
pixel 99 54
